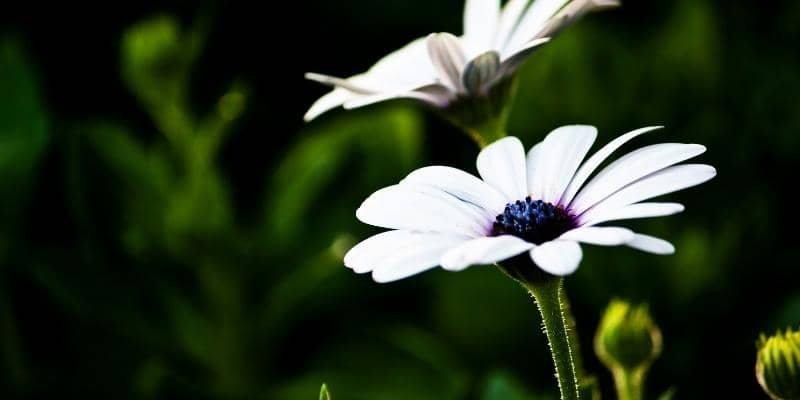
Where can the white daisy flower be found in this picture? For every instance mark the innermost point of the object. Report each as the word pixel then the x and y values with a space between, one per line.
pixel 543 204
pixel 441 68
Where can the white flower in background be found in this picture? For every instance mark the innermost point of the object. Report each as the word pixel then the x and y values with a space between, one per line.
pixel 441 68
pixel 544 205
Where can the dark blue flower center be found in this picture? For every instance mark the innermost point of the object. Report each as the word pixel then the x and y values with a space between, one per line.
pixel 534 221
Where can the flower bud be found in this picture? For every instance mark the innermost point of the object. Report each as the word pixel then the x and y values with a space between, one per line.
pixel 778 365
pixel 627 338
pixel 324 394
pixel 156 58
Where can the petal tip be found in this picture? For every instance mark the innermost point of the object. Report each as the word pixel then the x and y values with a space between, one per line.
pixel 361 212
pixel 379 278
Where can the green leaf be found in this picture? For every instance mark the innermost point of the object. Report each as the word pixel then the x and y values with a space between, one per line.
pixel 24 136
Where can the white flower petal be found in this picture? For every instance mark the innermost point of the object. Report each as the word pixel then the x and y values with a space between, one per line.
pixel 559 257
pixel 601 236
pixel 530 164
pixel 651 244
pixel 351 84
pixel 405 68
pixel 333 99
pixel 631 167
pixel 508 21
pixel 515 57
pixel 571 12
pixel 596 159
pixel 480 23
pixel 367 254
pixel 665 181
pixel 634 211
pixel 560 155
pixel 366 100
pixel 484 250
pixel 502 165
pixel 399 72
pixel 421 208
pixel 448 59
pixel 464 186
pixel 534 21
pixel 412 260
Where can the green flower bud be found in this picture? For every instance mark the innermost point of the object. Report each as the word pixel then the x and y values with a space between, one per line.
pixel 323 393
pixel 627 338
pixel 778 365
pixel 156 58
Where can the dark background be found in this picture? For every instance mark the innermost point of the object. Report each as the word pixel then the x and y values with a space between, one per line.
pixel 159 240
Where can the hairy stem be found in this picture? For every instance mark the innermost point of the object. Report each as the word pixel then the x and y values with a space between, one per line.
pixel 548 296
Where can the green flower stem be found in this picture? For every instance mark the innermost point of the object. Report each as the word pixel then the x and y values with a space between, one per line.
pixel 484 139
pixel 548 296
pixel 483 117
pixel 629 384
pixel 587 384
pixel 572 332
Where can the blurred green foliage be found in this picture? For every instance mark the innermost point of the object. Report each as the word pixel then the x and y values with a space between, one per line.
pixel 24 135
pixel 138 261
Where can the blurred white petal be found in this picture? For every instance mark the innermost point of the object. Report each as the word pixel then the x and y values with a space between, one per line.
pixel 334 99
pixel 508 21
pixel 448 59
pixel 534 20
pixel 514 58
pixel 481 18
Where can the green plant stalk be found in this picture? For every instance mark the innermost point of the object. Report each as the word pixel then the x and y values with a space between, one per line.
pixel 587 384
pixel 548 296
pixel 572 331
pixel 484 118
pixel 629 384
